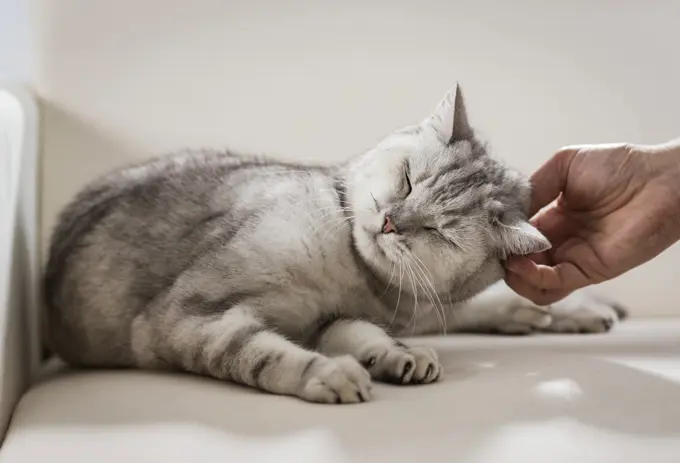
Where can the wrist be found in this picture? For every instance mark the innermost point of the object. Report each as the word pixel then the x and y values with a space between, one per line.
pixel 663 163
pixel 662 160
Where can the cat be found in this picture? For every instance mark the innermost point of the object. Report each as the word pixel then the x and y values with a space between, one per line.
pixel 294 278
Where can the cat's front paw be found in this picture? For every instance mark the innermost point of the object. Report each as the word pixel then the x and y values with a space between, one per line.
pixel 519 317
pixel 582 313
pixel 339 380
pixel 401 364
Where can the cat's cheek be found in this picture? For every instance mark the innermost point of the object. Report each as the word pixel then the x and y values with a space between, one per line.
pixel 436 259
pixel 368 222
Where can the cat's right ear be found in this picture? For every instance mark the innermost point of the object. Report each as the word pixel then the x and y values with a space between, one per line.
pixel 450 120
pixel 520 238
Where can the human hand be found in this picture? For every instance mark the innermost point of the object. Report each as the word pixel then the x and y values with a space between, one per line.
pixel 617 206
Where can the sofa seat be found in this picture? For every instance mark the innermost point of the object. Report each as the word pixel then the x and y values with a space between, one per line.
pixel 590 398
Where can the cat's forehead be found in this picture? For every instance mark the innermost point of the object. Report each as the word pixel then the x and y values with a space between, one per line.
pixel 433 160
pixel 407 142
pixel 460 176
pixel 465 179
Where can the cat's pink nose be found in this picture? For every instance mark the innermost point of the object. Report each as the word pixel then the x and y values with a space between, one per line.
pixel 388 226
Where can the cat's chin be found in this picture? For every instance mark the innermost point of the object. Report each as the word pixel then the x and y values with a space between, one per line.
pixel 387 245
pixel 379 250
pixel 492 272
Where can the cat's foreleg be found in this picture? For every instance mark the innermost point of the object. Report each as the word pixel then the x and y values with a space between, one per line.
pixel 235 345
pixel 498 309
pixel 385 358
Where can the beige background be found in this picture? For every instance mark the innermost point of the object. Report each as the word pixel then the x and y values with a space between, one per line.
pixel 124 79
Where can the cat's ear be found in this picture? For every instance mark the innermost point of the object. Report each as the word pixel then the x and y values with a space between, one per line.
pixel 519 237
pixel 450 120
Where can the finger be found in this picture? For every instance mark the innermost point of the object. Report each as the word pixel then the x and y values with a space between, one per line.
pixel 554 225
pixel 542 258
pixel 550 179
pixel 564 276
pixel 538 296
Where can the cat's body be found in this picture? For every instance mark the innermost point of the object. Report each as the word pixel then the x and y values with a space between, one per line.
pixel 280 276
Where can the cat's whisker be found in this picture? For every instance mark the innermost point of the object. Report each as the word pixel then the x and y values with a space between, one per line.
pixel 432 296
pixel 420 265
pixel 315 218
pixel 328 222
pixel 427 291
pixel 331 210
pixel 396 307
pixel 296 172
pixel 389 283
pixel 327 206
pixel 415 296
pixel 328 225
pixel 430 293
pixel 336 228
pixel 415 289
pixel 339 208
pixel 323 201
pixel 338 225
pixel 454 315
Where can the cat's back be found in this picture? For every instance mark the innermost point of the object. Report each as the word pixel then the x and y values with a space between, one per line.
pixel 158 213
pixel 121 204
pixel 129 234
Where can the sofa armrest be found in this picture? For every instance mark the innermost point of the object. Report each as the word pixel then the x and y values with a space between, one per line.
pixel 19 255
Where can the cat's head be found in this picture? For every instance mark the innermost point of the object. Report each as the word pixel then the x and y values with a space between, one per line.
pixel 430 200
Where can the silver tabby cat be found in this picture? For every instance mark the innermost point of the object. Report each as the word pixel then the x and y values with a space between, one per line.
pixel 294 279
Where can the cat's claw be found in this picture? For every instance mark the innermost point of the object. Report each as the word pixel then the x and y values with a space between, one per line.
pixel 338 380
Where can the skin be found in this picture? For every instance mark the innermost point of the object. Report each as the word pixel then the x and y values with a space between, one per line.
pixel 610 208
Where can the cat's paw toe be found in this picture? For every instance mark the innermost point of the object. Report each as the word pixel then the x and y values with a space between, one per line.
pixel 522 318
pixel 588 319
pixel 395 366
pixel 405 365
pixel 582 313
pixel 338 380
pixel 428 368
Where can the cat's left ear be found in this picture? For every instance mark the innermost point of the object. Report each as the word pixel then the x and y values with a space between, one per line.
pixel 520 238
pixel 450 120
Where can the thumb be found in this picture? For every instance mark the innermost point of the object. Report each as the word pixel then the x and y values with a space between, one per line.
pixel 551 179
pixel 555 225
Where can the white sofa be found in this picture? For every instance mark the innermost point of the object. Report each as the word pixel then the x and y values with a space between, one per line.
pixel 597 398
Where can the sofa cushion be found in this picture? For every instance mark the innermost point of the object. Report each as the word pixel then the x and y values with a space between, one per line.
pixel 595 398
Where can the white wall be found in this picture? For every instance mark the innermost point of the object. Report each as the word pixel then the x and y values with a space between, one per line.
pixel 15 50
pixel 124 79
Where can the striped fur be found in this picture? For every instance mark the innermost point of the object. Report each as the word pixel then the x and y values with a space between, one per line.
pixel 278 276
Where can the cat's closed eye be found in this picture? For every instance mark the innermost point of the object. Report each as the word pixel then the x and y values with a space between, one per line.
pixel 434 232
pixel 406 183
pixel 437 232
